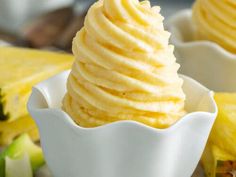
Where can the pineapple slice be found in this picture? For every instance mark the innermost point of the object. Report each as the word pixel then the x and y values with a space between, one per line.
pixel 10 130
pixel 224 130
pixel 20 69
pixel 217 162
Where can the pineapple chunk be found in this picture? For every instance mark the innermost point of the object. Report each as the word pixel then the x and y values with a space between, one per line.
pixel 10 130
pixel 18 148
pixel 18 167
pixel 219 157
pixel 217 162
pixel 20 69
pixel 224 130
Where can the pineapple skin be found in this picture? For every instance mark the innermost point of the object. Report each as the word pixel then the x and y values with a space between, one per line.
pixel 217 162
pixel 20 70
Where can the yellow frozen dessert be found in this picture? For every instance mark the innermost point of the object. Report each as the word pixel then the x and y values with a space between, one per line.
pixel 124 68
pixel 215 20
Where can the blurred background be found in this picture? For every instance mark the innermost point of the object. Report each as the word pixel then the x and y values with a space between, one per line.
pixel 51 24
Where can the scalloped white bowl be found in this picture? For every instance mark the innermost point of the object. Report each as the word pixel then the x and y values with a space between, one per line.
pixel 205 61
pixel 125 148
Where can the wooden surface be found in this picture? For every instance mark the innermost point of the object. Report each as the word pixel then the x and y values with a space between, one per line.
pixel 198 172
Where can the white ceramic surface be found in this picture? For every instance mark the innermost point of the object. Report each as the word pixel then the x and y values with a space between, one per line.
pixel 205 61
pixel 125 148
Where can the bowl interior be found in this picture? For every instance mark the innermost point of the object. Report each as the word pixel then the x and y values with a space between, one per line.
pixel 181 26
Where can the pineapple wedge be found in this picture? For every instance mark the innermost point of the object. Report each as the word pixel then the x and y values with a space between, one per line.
pixel 218 163
pixel 20 69
pixel 10 130
pixel 224 130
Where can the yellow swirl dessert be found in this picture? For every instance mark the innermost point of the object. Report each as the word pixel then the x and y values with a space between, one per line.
pixel 124 68
pixel 215 20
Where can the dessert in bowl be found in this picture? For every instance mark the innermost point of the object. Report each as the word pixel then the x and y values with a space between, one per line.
pixel 125 110
pixel 123 148
pixel 205 43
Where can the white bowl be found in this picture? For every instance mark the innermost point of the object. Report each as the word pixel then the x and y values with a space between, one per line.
pixel 125 148
pixel 205 61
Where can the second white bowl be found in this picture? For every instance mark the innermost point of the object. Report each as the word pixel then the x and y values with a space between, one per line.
pixel 205 61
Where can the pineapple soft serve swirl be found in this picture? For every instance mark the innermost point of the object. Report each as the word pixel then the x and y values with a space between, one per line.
pixel 124 68
pixel 215 20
